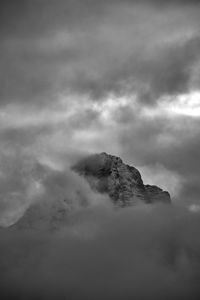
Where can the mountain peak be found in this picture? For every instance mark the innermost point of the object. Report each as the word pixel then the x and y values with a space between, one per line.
pixel 123 183
pixel 106 174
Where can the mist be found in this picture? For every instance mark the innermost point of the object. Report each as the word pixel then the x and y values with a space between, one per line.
pixel 142 252
pixel 80 77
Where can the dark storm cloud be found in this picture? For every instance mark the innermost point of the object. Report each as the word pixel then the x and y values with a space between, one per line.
pixel 141 253
pixel 95 48
pixel 170 73
pixel 31 18
pixel 166 72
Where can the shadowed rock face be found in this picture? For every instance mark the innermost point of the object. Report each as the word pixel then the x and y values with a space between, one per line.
pixel 123 183
pixel 106 174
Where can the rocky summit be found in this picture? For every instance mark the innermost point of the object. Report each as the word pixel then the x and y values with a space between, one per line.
pixel 123 183
pixel 105 174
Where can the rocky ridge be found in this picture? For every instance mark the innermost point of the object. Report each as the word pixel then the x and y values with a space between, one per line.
pixel 106 174
pixel 123 183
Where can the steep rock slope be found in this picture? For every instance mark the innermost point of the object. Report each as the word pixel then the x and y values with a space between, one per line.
pixel 123 183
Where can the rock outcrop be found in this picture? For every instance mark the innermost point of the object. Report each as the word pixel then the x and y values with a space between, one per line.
pixel 123 183
pixel 106 174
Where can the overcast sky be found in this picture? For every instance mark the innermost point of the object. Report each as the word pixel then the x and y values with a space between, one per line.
pixel 80 77
pixel 85 76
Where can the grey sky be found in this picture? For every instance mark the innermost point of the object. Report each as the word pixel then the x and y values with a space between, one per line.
pixel 85 76
pixel 79 77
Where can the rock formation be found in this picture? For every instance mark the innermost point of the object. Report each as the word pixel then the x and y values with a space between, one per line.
pixel 123 183
pixel 105 174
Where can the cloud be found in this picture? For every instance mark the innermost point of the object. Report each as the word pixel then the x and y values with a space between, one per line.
pixel 158 175
pixel 171 142
pixel 145 138
pixel 89 76
pixel 142 252
pixel 96 48
pixel 38 192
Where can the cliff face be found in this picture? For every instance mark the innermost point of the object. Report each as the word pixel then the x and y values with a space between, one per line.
pixel 123 183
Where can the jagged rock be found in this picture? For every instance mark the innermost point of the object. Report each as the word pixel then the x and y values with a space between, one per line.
pixel 123 183
pixel 156 194
pixel 106 174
